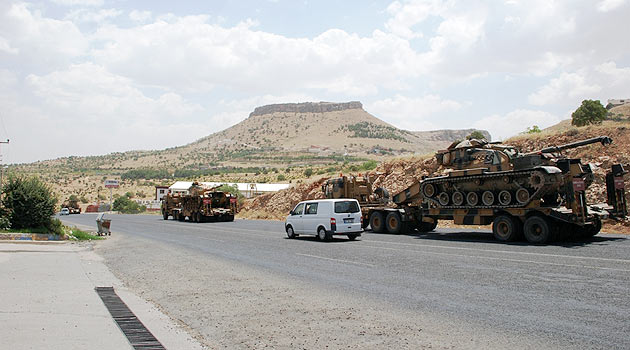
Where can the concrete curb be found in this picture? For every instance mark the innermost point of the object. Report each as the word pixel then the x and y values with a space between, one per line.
pixel 40 237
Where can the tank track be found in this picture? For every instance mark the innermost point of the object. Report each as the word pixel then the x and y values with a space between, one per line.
pixel 517 180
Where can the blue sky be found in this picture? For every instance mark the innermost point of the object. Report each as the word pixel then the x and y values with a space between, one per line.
pixel 122 75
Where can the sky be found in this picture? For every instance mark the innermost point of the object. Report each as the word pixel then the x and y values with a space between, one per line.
pixel 91 77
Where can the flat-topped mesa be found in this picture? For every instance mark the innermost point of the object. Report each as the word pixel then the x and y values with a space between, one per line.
pixel 306 107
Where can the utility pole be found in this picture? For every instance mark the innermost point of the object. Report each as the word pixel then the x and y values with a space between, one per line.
pixel 2 168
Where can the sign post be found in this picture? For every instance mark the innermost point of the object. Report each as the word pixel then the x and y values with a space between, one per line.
pixel 111 184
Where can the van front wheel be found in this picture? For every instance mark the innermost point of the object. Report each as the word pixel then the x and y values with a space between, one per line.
pixel 290 232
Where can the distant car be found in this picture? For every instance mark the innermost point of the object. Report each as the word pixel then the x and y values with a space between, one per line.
pixel 325 218
pixel 64 211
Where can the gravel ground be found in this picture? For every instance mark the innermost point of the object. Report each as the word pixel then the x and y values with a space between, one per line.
pixel 232 306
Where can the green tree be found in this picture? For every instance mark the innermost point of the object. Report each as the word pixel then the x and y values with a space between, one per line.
pixel 308 172
pixel 590 112
pixel 30 202
pixel 476 135
pixel 281 177
pixel 73 198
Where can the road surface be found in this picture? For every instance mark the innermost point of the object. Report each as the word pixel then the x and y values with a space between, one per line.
pixel 243 284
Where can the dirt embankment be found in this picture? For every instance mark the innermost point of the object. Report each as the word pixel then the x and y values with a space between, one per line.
pixel 398 174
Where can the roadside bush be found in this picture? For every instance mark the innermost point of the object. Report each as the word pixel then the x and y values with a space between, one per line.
pixel 5 218
pixel 30 202
pixel 126 206
pixel 55 226
pixel 281 177
pixel 308 172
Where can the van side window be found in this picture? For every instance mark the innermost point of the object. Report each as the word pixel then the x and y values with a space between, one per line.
pixel 299 209
pixel 311 208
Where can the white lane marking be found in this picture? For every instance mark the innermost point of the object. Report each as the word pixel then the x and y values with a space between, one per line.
pixel 507 251
pixel 338 260
pixel 495 258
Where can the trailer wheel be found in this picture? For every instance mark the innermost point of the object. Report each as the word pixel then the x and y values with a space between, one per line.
pixel 165 215
pixel 537 229
pixel 589 231
pixel 427 227
pixel 393 222
pixel 505 228
pixel 376 222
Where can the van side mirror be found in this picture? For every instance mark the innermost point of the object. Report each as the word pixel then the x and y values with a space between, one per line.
pixel 291 212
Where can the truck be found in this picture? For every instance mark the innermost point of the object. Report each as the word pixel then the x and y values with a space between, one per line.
pixel 72 205
pixel 359 188
pixel 540 195
pixel 200 205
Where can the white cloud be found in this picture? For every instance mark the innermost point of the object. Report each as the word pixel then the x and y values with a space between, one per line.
pixel 78 2
pixel 609 5
pixel 44 42
pixel 413 113
pixel 616 77
pixel 199 54
pixel 567 87
pixel 84 15
pixel 6 46
pixel 515 122
pixel 101 112
pixel 140 16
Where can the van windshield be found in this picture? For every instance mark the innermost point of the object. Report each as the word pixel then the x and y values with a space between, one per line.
pixel 346 207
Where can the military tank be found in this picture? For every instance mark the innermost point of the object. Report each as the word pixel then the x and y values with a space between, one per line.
pixel 491 175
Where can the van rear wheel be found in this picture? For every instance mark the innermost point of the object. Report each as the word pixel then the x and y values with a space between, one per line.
pixel 352 237
pixel 323 235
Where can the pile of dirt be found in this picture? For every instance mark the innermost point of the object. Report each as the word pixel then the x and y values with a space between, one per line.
pixel 277 205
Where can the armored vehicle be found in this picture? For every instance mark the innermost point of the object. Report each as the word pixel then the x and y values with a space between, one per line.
pixel 200 205
pixel 541 193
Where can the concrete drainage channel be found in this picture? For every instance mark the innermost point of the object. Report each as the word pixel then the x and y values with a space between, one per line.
pixel 138 335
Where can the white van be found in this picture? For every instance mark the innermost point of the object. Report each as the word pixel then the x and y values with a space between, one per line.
pixel 325 218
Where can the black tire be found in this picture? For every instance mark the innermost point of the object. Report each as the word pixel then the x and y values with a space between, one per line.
pixel 427 227
pixel 537 230
pixel 393 223
pixel 290 233
pixel 352 237
pixel 505 228
pixel 165 215
pixel 323 235
pixel 590 230
pixel 377 222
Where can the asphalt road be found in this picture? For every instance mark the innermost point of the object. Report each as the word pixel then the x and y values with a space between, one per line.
pixel 572 293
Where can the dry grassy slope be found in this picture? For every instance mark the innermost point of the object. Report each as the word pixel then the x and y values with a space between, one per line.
pixel 290 132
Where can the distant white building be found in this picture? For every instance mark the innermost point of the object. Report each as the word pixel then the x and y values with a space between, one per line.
pixel 618 102
pixel 247 189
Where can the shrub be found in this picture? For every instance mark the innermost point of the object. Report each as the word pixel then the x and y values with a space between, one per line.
pixel 281 177
pixel 308 172
pixel 126 206
pixel 30 202
pixel 369 165
pixel 533 130
pixel 476 135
